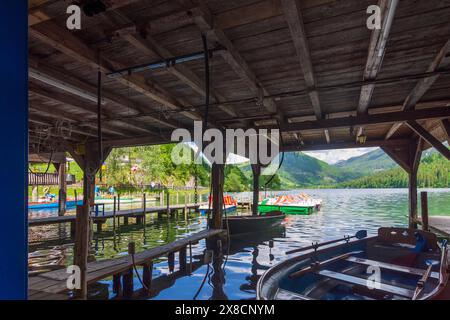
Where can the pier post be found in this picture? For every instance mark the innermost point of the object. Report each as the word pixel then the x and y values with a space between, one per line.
pixel 118 201
pixel 128 287
pixel 256 168
pixel 81 247
pixel 114 212
pixel 144 207
pixel 87 158
pixel 35 194
pixel 217 172
pixel 168 202
pixel 424 212
pixel 147 277
pixel 62 188
pixel 182 258
pixel 171 261
pixel 117 285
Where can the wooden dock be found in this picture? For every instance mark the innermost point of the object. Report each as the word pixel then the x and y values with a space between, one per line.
pixel 52 285
pixel 438 224
pixel 101 218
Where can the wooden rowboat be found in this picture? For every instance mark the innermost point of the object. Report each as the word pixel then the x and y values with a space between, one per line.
pixel 251 224
pixel 397 264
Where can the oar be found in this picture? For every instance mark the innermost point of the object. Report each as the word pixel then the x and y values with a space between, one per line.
pixel 361 234
pixel 317 265
pixel 424 279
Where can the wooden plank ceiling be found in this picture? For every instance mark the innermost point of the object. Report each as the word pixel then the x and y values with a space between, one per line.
pixel 290 64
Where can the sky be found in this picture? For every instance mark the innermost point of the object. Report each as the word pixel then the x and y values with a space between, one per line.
pixel 329 156
pixel 334 156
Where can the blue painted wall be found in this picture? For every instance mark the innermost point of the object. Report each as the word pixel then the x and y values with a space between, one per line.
pixel 14 145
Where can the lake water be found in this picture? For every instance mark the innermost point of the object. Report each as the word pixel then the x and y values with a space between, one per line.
pixel 234 275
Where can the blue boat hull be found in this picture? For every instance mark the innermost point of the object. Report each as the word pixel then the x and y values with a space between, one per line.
pixel 54 205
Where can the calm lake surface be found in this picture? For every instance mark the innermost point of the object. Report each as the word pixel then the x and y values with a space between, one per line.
pixel 234 276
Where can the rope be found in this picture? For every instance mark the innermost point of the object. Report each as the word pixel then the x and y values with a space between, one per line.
pixel 48 166
pixel 137 273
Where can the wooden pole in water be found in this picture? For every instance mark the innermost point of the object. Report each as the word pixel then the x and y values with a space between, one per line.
pixel 217 172
pixel 114 212
pixel 62 189
pixel 168 202
pixel 144 206
pixel 424 206
pixel 81 247
pixel 256 168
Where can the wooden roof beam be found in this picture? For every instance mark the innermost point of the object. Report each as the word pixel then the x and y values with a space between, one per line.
pixel 75 121
pixel 37 15
pixel 204 19
pixel 382 118
pixel 376 52
pixel 62 79
pixel 442 60
pixel 50 124
pixel 92 110
pixel 445 123
pixel 428 137
pixel 293 16
pixel 69 44
pixel 151 47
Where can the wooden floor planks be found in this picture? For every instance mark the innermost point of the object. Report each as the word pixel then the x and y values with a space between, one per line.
pixel 54 283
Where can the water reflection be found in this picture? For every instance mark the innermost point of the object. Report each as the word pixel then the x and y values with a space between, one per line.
pixel 235 270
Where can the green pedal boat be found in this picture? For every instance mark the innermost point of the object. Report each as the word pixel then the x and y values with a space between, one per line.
pixel 290 204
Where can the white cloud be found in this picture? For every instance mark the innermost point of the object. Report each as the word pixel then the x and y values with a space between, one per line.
pixel 334 156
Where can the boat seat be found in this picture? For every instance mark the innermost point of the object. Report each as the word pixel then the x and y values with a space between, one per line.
pixel 289 295
pixel 390 266
pixel 385 288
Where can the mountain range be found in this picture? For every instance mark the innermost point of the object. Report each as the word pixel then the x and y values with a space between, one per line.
pixel 373 169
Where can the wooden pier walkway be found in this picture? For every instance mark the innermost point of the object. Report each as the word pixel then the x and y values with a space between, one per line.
pixel 438 224
pixel 53 285
pixel 101 218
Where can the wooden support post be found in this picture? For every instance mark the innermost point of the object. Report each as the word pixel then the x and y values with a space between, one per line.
pixel 217 172
pixel 81 247
pixel 99 226
pixel 73 228
pixel 127 284
pixel 408 157
pixel 256 168
pixel 62 189
pixel 424 206
pixel 118 201
pixel 35 194
pixel 144 209
pixel 182 259
pixel 114 212
pixel 412 192
pixel 125 221
pixel 161 198
pixel 147 277
pixel 117 285
pixel 168 202
pixel 171 261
